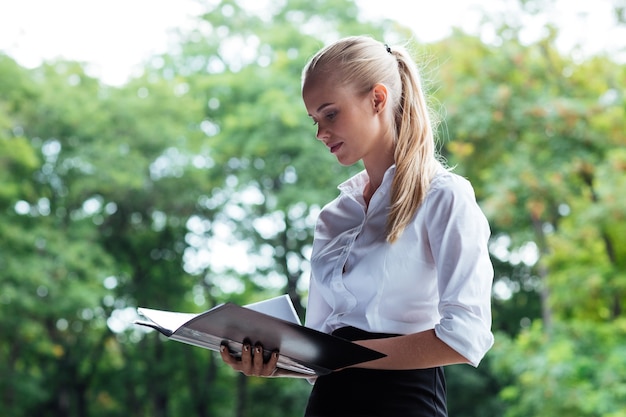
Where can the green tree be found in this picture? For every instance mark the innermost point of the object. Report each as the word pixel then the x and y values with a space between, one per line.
pixel 51 268
pixel 113 198
pixel 542 137
pixel 125 189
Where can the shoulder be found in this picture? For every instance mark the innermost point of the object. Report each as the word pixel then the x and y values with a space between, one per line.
pixel 448 186
pixel 451 214
pixel 451 200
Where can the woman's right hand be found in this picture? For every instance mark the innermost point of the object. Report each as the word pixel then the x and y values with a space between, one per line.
pixel 251 362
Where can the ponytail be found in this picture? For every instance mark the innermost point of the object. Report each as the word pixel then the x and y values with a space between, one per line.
pixel 414 153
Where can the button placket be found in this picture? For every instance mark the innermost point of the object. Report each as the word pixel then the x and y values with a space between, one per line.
pixel 348 301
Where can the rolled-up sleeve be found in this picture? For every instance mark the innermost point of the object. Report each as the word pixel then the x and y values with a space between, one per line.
pixel 458 235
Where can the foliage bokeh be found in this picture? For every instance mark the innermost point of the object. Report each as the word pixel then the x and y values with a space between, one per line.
pixel 199 182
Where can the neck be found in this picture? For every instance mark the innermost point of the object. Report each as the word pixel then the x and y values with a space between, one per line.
pixel 375 178
pixel 376 171
pixel 377 163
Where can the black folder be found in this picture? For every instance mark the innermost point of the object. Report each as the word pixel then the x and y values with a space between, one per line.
pixel 301 349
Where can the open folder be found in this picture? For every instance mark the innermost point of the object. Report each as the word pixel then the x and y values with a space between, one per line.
pixel 273 323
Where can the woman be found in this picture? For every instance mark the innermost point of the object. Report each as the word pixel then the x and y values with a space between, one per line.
pixel 400 261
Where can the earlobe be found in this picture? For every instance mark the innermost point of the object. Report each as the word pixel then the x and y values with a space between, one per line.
pixel 379 97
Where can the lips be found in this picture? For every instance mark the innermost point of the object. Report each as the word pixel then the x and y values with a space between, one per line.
pixel 335 147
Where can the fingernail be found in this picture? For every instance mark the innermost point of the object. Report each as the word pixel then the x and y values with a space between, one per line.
pixel 257 349
pixel 246 348
pixel 222 348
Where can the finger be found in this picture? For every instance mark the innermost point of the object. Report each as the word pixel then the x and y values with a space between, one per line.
pixel 246 358
pixel 257 360
pixel 227 357
pixel 273 362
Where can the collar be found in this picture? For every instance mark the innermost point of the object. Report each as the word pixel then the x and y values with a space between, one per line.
pixel 354 186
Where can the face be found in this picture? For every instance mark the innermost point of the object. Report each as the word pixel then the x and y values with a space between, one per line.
pixel 351 126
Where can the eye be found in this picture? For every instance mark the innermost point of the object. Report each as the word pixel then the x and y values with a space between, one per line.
pixel 330 116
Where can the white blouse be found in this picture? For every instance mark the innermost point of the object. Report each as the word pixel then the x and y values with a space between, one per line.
pixel 436 275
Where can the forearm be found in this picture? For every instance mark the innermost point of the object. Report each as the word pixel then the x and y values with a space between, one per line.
pixel 414 351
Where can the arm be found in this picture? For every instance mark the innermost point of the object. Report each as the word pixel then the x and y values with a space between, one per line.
pixel 414 351
pixel 458 234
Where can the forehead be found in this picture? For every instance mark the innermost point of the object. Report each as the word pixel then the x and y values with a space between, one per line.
pixel 318 93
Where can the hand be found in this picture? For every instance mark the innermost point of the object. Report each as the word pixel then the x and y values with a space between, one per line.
pixel 251 362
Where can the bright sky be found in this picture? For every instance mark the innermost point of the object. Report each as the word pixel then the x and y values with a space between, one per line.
pixel 116 36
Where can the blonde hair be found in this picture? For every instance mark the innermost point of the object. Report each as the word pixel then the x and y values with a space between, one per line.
pixel 361 62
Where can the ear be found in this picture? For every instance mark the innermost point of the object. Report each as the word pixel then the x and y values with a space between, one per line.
pixel 379 97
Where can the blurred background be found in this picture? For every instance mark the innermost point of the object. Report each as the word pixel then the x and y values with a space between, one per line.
pixel 157 154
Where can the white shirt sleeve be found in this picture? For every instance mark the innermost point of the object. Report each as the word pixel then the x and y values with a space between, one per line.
pixel 458 233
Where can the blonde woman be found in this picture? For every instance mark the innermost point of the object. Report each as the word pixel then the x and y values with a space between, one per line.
pixel 400 261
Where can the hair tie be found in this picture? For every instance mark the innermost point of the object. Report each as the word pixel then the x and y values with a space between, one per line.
pixel 388 48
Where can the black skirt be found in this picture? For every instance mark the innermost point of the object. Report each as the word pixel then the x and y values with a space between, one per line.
pixel 357 392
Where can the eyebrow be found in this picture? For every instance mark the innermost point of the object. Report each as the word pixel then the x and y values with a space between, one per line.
pixel 320 108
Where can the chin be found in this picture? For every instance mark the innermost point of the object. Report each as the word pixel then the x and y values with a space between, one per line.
pixel 346 162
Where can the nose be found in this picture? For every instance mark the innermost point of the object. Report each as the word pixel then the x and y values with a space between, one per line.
pixel 322 133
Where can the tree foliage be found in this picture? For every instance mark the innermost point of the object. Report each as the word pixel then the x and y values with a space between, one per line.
pixel 541 134
pixel 199 182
